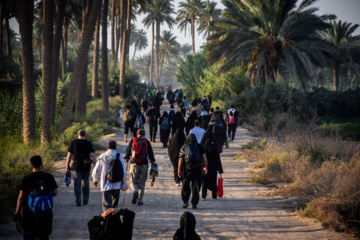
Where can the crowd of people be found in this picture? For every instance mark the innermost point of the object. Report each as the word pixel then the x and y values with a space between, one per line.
pixel 194 136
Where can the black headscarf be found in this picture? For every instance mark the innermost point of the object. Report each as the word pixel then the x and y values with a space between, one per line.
pixel 175 144
pixel 191 138
pixel 190 122
pixel 179 120
pixel 187 227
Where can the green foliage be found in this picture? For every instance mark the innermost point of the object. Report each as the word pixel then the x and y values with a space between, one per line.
pixel 190 73
pixel 10 113
pixel 344 130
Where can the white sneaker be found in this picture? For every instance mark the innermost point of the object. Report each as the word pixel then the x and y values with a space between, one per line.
pixel 178 184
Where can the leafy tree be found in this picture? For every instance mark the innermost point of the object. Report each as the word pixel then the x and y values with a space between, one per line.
pixel 158 12
pixel 208 14
pixel 139 40
pixel 169 47
pixel 347 46
pixel 187 14
pixel 273 38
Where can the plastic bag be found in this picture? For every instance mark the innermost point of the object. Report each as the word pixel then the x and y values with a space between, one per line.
pixel 220 190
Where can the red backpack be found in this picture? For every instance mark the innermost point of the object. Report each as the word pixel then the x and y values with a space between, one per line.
pixel 231 119
pixel 139 150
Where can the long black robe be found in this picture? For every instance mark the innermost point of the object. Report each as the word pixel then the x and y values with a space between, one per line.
pixel 179 122
pixel 190 122
pixel 214 162
pixel 219 136
pixel 175 144
pixel 164 133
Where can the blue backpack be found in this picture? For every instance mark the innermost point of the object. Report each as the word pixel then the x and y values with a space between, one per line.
pixel 165 123
pixel 192 158
pixel 138 122
pixel 41 198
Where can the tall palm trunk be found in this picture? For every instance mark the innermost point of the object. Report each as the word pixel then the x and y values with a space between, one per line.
pixel 25 18
pixel 123 32
pixel 336 75
pixel 47 72
pixel 80 107
pixel 95 78
pixel 162 63
pixel 113 29
pixel 104 59
pixel 118 35
pixel 8 38
pixel 157 53
pixel 56 56
pixel 80 64
pixel 64 45
pixel 1 29
pixel 193 34
pixel 128 30
pixel 152 52
pixel 134 55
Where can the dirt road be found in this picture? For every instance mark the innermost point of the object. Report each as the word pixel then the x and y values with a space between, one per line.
pixel 243 213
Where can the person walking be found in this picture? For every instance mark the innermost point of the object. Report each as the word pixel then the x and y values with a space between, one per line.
pixel 128 123
pixel 152 117
pixel 139 152
pixel 190 122
pixel 187 228
pixel 172 114
pixel 185 107
pixel 110 190
pixel 175 144
pixel 218 127
pixel 197 131
pixel 209 181
pixel 138 122
pixel 82 153
pixel 37 218
pixel 232 119
pixel 192 162
pixel 164 124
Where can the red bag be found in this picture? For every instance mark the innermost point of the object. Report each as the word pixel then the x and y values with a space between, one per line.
pixel 220 191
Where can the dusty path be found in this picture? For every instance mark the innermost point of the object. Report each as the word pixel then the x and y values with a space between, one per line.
pixel 243 213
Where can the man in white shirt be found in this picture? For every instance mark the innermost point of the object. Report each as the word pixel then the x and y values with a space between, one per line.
pixel 197 131
pixel 110 191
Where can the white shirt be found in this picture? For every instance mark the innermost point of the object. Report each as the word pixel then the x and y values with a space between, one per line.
pixel 198 132
pixel 102 167
pixel 231 110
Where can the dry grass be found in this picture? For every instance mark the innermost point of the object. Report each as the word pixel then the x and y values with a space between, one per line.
pixel 325 171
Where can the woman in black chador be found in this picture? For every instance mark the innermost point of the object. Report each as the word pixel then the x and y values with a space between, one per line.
pixel 190 122
pixel 187 228
pixel 164 130
pixel 179 122
pixel 209 181
pixel 175 144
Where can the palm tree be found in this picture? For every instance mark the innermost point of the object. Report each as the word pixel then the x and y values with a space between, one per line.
pixel 347 47
pixel 265 35
pixel 95 77
pixel 208 14
pixel 139 39
pixel 158 12
pixel 25 17
pixel 104 59
pixel 169 47
pixel 188 13
pixel 47 72
pixel 143 64
pixel 80 64
pixel 185 49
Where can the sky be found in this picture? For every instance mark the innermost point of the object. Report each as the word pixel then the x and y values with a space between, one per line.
pixel 345 10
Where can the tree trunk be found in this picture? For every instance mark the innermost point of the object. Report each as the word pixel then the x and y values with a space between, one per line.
pixel 80 64
pixel 1 29
pixel 80 107
pixel 95 79
pixel 161 64
pixel 8 38
pixel 336 75
pixel 25 18
pixel 118 34
pixel 47 72
pixel 134 55
pixel 104 59
pixel 157 53
pixel 123 10
pixel 56 55
pixel 128 30
pixel 152 52
pixel 113 29
pixel 64 45
pixel 193 34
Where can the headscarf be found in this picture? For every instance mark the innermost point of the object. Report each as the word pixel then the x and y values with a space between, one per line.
pixel 190 121
pixel 190 139
pixel 187 227
pixel 179 120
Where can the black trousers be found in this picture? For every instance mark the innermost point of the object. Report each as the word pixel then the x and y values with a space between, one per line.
pixel 204 191
pixel 191 185
pixel 183 111
pixel 153 130
pixel 231 131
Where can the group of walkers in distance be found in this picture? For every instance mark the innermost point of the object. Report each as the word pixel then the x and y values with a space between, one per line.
pixel 194 148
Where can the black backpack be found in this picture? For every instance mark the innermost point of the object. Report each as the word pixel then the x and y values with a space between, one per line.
pixel 192 158
pixel 116 170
